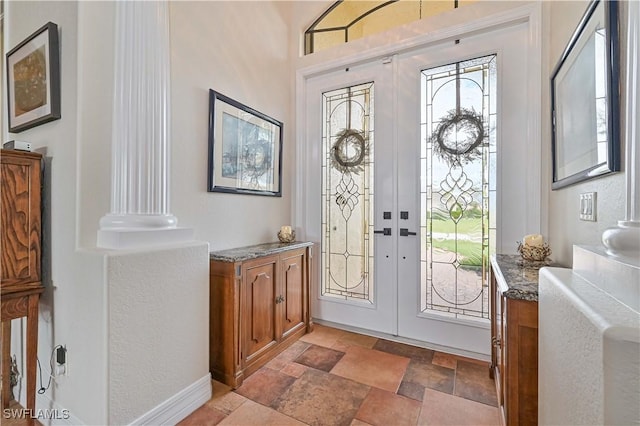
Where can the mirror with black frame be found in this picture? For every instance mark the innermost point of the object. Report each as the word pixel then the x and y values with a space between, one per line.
pixel 585 99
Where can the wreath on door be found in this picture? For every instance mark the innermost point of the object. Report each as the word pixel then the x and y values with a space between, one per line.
pixel 458 136
pixel 349 152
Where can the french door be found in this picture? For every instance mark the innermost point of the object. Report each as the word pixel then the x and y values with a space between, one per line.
pixel 356 183
pixel 406 155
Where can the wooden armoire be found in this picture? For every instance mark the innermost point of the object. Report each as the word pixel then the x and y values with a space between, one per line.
pixel 20 251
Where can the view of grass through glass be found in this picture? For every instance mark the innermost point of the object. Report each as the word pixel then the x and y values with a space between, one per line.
pixel 458 157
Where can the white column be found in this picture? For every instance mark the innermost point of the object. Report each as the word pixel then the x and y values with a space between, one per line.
pixel 633 115
pixel 140 139
pixel 625 238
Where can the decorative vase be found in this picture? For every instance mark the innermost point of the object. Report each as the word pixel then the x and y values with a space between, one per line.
pixel 534 253
pixel 287 237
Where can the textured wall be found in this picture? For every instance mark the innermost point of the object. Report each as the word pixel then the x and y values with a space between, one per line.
pixel 565 227
pixel 158 309
pixel 589 352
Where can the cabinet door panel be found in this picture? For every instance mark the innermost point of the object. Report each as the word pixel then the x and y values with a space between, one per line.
pixel 259 307
pixel 20 218
pixel 293 282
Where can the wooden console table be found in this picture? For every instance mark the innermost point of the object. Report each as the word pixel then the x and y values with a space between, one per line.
pixel 259 305
pixel 514 337
pixel 20 279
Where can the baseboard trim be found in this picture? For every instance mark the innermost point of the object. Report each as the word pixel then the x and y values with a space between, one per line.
pixel 50 413
pixel 178 406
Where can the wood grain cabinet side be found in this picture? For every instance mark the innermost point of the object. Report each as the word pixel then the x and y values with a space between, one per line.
pixel 514 355
pixel 20 252
pixel 258 307
pixel 20 219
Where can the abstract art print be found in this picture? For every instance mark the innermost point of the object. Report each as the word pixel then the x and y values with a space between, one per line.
pixel 33 80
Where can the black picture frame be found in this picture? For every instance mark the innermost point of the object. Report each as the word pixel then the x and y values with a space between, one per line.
pixel 33 80
pixel 245 149
pixel 585 99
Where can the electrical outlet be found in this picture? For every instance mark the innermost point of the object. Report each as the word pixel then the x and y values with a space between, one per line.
pixel 61 355
pixel 62 361
pixel 588 206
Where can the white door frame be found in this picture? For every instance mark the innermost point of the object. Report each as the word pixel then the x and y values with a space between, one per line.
pixel 305 219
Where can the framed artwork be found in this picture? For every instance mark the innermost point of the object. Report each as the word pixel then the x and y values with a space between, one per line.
pixel 245 149
pixel 585 102
pixel 33 80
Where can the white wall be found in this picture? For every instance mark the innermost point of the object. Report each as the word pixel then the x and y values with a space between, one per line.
pixel 96 26
pixel 246 50
pixel 239 49
pixel 565 227
pixel 158 326
pixel 71 311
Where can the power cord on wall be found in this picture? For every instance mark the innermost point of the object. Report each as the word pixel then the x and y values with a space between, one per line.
pixel 42 388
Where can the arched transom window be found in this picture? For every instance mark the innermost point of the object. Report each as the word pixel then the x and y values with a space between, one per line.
pixel 348 20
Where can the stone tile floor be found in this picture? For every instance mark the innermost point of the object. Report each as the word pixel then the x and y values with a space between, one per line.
pixel 334 377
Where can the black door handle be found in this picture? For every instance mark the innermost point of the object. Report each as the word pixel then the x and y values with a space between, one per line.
pixel 384 231
pixel 404 232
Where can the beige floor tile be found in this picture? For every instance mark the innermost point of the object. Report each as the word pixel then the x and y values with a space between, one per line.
pixel 227 403
pixel 320 358
pixel 373 368
pixel 473 382
pixel 355 339
pixel 203 416
pixel 252 413
pixel 323 336
pixel 357 422
pixel 415 353
pixel 442 409
pixel 473 360
pixel 321 399
pixel 294 369
pixel 382 408
pixel 219 389
pixel 265 385
pixel 444 360
pixel 430 376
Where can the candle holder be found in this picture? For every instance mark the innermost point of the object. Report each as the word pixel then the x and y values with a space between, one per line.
pixel 288 237
pixel 534 253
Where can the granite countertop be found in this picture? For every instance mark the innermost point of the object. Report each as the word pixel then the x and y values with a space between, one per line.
pixel 520 276
pixel 251 252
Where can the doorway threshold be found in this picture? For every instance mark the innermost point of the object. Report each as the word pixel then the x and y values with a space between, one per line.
pixel 399 339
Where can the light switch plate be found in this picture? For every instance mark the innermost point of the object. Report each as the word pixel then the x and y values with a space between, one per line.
pixel 588 206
